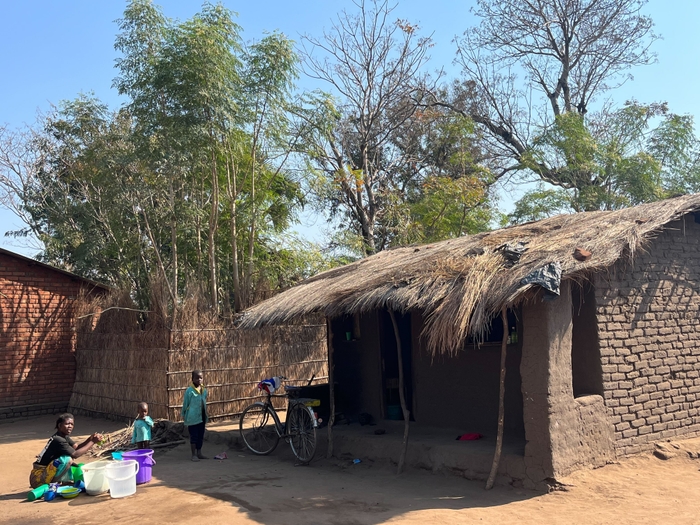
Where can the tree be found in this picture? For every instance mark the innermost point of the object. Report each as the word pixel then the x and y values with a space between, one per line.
pixel 270 69
pixel 76 191
pixel 618 158
pixel 372 65
pixel 182 80
pixel 122 196
pixel 567 53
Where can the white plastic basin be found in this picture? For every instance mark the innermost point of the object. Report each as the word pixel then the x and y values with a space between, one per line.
pixel 94 477
pixel 122 477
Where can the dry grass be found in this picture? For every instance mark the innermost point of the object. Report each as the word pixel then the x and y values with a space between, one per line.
pixel 164 433
pixel 461 284
pixel 120 363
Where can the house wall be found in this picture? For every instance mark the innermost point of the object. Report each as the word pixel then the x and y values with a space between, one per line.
pixel 461 391
pixel 649 331
pixel 563 433
pixel 37 359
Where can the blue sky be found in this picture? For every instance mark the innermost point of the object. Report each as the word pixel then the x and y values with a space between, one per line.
pixel 52 51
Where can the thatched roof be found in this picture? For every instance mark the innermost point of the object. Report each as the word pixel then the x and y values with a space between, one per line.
pixel 462 283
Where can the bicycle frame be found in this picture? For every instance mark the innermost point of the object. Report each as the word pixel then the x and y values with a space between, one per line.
pixel 280 427
pixel 299 428
pixel 269 408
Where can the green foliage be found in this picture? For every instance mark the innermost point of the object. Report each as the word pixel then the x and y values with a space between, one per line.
pixel 540 203
pixel 638 153
pixel 385 168
pixel 189 178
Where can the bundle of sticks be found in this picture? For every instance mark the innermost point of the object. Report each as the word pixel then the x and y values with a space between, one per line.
pixel 163 435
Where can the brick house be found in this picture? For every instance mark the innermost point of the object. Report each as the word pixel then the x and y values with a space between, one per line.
pixel 37 339
pixel 602 335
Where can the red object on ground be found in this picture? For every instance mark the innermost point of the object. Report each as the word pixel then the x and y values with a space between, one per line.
pixel 469 436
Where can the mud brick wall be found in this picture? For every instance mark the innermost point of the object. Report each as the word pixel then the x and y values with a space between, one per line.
pixel 37 361
pixel 563 433
pixel 649 328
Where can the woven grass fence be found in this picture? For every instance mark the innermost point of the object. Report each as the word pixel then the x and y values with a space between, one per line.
pixel 121 362
pixel 233 362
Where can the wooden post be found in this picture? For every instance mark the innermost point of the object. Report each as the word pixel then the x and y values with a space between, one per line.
pixel 501 407
pixel 331 388
pixel 402 397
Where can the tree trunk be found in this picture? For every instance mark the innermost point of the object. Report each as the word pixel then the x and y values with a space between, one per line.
pixel 501 406
pixel 402 396
pixel 213 223
pixel 232 193
pixel 251 238
pixel 173 241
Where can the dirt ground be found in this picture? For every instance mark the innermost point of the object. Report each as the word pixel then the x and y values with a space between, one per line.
pixel 244 489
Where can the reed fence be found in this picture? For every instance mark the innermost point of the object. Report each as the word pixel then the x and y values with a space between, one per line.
pixel 122 361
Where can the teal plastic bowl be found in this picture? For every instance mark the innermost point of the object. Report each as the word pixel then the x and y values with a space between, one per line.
pixel 68 492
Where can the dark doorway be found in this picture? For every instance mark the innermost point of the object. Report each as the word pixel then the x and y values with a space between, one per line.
pixel 390 364
pixel 347 360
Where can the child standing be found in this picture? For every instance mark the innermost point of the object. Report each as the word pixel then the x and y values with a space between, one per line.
pixel 142 428
pixel 194 413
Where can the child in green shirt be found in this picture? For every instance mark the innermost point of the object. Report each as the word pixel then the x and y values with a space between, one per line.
pixel 194 413
pixel 142 428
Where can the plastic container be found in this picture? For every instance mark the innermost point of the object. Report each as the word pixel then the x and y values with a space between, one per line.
pixel 50 494
pixel 394 412
pixel 121 476
pixel 77 472
pixel 94 477
pixel 68 492
pixel 38 492
pixel 145 458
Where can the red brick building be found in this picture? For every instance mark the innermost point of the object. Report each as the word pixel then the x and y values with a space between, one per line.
pixel 37 338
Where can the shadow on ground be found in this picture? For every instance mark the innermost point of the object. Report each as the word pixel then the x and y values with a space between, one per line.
pixel 271 490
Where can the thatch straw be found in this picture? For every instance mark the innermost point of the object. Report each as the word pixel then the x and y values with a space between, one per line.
pixel 462 283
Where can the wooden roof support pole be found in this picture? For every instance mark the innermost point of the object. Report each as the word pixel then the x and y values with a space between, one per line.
pixel 402 397
pixel 501 408
pixel 331 388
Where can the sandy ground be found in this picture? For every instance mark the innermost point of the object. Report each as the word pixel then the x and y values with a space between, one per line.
pixel 270 490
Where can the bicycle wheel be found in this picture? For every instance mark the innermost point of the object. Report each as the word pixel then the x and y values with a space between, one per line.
pixel 302 433
pixel 257 426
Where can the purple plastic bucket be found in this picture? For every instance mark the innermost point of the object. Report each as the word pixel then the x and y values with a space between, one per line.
pixel 145 460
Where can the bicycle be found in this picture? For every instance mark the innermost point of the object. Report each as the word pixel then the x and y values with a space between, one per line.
pixel 261 428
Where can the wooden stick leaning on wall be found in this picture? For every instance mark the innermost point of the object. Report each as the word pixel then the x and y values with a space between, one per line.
pixel 331 388
pixel 501 407
pixel 402 397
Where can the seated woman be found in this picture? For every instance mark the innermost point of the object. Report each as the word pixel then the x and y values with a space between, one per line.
pixel 54 462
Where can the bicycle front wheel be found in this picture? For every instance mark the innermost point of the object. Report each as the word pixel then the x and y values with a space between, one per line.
pixel 302 433
pixel 258 430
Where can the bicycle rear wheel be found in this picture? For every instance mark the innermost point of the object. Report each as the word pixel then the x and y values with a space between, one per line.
pixel 302 433
pixel 257 427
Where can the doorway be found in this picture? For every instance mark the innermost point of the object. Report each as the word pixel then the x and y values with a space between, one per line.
pixel 390 365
